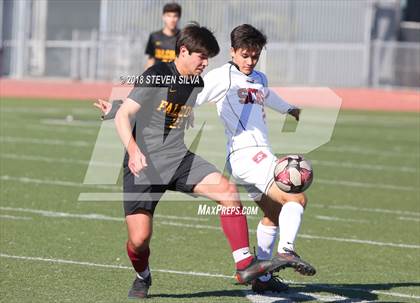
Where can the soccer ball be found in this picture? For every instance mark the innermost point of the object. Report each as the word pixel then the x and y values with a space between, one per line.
pixel 293 174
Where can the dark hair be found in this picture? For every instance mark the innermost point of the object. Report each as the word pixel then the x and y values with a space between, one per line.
pixel 197 39
pixel 247 37
pixel 172 7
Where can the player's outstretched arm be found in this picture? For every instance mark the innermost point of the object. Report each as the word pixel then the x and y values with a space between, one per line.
pixel 275 102
pixel 108 109
pixel 123 118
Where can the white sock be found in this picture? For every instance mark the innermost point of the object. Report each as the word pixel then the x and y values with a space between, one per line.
pixel 266 237
pixel 289 223
pixel 144 274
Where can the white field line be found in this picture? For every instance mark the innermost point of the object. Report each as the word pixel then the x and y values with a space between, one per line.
pixel 321 181
pixel 47 110
pixel 77 143
pixel 82 123
pixel 201 274
pixel 290 297
pixel 75 184
pixel 47 213
pixel 343 149
pixel 367 185
pixel 408 169
pixel 382 122
pixel 368 151
pixel 364 209
pixel 369 242
pixel 378 292
pixel 210 227
pixel 47 128
pixel 409 219
pixel 350 165
pixel 181 218
pixel 57 182
pixel 189 273
pixel 198 226
pixel 42 141
pixel 57 160
pixel 327 218
pixel 15 217
pixel 352 119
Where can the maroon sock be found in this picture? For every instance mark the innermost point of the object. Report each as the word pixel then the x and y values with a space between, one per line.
pixel 140 260
pixel 235 227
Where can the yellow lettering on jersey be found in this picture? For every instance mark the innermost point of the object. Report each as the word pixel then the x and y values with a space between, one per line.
pixel 169 108
pixel 162 106
pixel 176 111
pixel 165 55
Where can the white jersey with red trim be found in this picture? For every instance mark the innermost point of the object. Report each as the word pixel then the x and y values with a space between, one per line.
pixel 240 101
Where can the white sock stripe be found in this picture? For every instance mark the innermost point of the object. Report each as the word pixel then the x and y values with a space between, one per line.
pixel 241 254
pixel 144 274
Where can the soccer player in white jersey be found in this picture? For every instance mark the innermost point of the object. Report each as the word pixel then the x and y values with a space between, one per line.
pixel 240 93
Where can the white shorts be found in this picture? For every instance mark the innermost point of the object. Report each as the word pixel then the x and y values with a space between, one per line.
pixel 253 168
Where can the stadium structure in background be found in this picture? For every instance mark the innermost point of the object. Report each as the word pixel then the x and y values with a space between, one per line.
pixel 359 43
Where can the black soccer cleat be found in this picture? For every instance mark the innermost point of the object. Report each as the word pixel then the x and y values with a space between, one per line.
pixel 275 284
pixel 254 270
pixel 140 288
pixel 291 259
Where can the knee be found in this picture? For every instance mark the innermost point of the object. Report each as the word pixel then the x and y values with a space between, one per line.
pixel 231 196
pixel 270 219
pixel 300 198
pixel 139 242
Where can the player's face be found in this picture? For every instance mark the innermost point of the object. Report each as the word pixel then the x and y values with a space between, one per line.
pixel 170 20
pixel 192 63
pixel 198 63
pixel 246 59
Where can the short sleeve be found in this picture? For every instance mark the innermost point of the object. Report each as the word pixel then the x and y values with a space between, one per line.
pixel 142 91
pixel 214 89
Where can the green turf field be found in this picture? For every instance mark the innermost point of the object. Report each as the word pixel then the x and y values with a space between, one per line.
pixel 361 228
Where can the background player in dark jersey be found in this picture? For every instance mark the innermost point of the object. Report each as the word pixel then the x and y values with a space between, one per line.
pixel 157 158
pixel 161 44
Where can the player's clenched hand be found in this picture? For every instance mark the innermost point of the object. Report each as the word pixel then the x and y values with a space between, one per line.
pixel 103 105
pixel 136 160
pixel 295 112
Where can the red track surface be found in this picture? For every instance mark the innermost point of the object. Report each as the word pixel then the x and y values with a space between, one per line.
pixel 362 99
